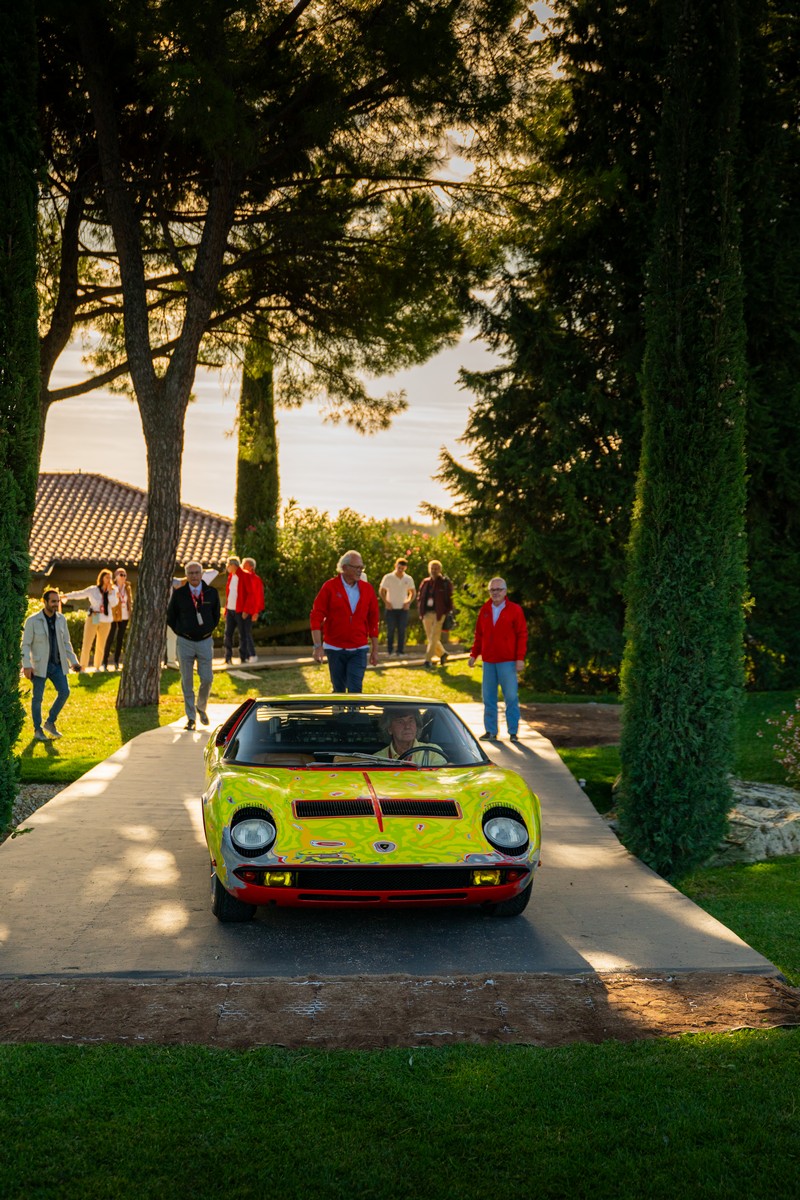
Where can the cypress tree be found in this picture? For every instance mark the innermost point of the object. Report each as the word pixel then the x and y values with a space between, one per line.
pixel 257 478
pixel 682 670
pixel 19 363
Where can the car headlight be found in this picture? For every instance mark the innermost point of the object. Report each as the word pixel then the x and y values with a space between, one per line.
pixel 506 831
pixel 253 835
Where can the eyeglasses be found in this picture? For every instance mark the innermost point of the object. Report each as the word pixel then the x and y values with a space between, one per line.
pixel 355 566
pixel 497 589
pixel 121 575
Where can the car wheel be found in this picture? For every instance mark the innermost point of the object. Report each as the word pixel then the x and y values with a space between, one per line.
pixel 512 907
pixel 226 907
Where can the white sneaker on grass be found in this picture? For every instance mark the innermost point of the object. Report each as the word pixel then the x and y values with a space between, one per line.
pixel 51 730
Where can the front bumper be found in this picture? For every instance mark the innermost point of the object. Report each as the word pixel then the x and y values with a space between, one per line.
pixel 355 887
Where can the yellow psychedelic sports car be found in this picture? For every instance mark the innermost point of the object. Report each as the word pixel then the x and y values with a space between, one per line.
pixel 362 800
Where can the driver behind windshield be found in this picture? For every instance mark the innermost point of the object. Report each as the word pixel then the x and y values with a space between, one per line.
pixel 402 727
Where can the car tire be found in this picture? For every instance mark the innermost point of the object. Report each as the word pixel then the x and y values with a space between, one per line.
pixel 225 907
pixel 512 907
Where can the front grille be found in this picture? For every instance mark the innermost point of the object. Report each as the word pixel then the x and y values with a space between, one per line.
pixel 333 808
pixel 419 808
pixel 382 879
pixel 363 808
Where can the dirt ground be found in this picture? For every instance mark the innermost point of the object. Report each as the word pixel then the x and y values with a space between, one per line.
pixel 575 724
pixel 371 1013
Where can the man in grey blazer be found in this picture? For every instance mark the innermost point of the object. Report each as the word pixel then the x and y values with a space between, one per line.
pixel 47 654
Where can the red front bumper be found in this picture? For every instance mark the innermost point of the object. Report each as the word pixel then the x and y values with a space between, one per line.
pixel 338 897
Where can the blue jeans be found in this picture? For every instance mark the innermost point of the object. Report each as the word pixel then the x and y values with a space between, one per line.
pixel 504 676
pixel 347 669
pixel 203 652
pixel 396 622
pixel 59 682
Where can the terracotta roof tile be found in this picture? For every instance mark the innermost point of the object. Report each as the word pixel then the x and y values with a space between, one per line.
pixel 90 520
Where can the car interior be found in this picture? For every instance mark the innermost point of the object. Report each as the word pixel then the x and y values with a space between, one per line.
pixel 340 734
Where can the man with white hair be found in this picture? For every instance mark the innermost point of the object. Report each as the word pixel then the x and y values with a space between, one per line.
pixel 344 624
pixel 501 640
pixel 193 614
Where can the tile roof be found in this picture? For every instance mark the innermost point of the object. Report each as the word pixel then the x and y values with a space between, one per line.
pixel 90 520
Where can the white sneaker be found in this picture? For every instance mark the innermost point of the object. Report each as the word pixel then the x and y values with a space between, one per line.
pixel 40 736
pixel 51 730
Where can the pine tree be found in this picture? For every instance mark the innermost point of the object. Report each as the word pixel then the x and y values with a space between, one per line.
pixel 554 434
pixel 683 661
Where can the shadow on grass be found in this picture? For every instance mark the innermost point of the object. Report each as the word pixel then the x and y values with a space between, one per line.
pixel 50 749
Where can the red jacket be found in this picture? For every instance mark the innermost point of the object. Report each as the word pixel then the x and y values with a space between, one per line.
pixel 241 589
pixel 341 628
pixel 251 588
pixel 503 641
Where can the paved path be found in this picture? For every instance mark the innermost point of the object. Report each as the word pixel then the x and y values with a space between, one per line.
pixel 113 881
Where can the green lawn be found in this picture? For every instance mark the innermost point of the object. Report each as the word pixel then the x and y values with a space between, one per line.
pixel 698 1117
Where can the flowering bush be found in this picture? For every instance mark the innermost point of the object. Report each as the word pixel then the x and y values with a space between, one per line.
pixel 787 743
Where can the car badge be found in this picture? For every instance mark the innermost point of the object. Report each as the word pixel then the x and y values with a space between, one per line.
pixel 384 847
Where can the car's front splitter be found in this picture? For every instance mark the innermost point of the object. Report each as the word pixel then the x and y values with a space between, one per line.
pixel 298 893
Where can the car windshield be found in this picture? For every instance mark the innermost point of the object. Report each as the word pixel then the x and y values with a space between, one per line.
pixel 320 733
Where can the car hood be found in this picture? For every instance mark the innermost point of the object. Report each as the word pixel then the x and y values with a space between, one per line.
pixel 336 816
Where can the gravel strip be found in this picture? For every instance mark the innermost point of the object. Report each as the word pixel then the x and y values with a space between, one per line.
pixel 30 797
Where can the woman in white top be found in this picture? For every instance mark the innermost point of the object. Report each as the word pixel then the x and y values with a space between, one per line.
pixel 102 597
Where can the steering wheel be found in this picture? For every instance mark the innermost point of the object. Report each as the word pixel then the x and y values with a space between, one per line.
pixel 420 746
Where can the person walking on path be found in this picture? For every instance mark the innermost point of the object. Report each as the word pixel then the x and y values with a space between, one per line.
pixel 171 652
pixel 501 640
pixel 193 614
pixel 397 590
pixel 120 613
pixel 435 601
pixel 102 597
pixel 344 624
pixel 47 654
pixel 252 607
pixel 235 591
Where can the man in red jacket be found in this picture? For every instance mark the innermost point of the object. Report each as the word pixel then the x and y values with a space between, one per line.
pixel 252 587
pixel 501 640
pixel 344 624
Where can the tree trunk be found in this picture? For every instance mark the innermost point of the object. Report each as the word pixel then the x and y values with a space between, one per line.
pixel 141 680
pixel 683 663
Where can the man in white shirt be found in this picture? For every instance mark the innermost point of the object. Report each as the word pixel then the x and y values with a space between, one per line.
pixel 397 590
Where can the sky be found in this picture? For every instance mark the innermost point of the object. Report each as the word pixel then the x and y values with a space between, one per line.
pixel 322 466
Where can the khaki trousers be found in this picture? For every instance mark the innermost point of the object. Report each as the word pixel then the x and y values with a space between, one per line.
pixel 97 632
pixel 433 629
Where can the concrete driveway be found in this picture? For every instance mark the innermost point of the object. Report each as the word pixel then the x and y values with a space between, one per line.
pixel 113 881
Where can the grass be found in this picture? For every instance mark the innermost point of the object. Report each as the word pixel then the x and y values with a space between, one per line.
pixel 760 901
pixel 717 1113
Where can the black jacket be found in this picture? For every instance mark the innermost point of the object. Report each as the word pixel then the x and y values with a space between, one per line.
pixel 182 614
